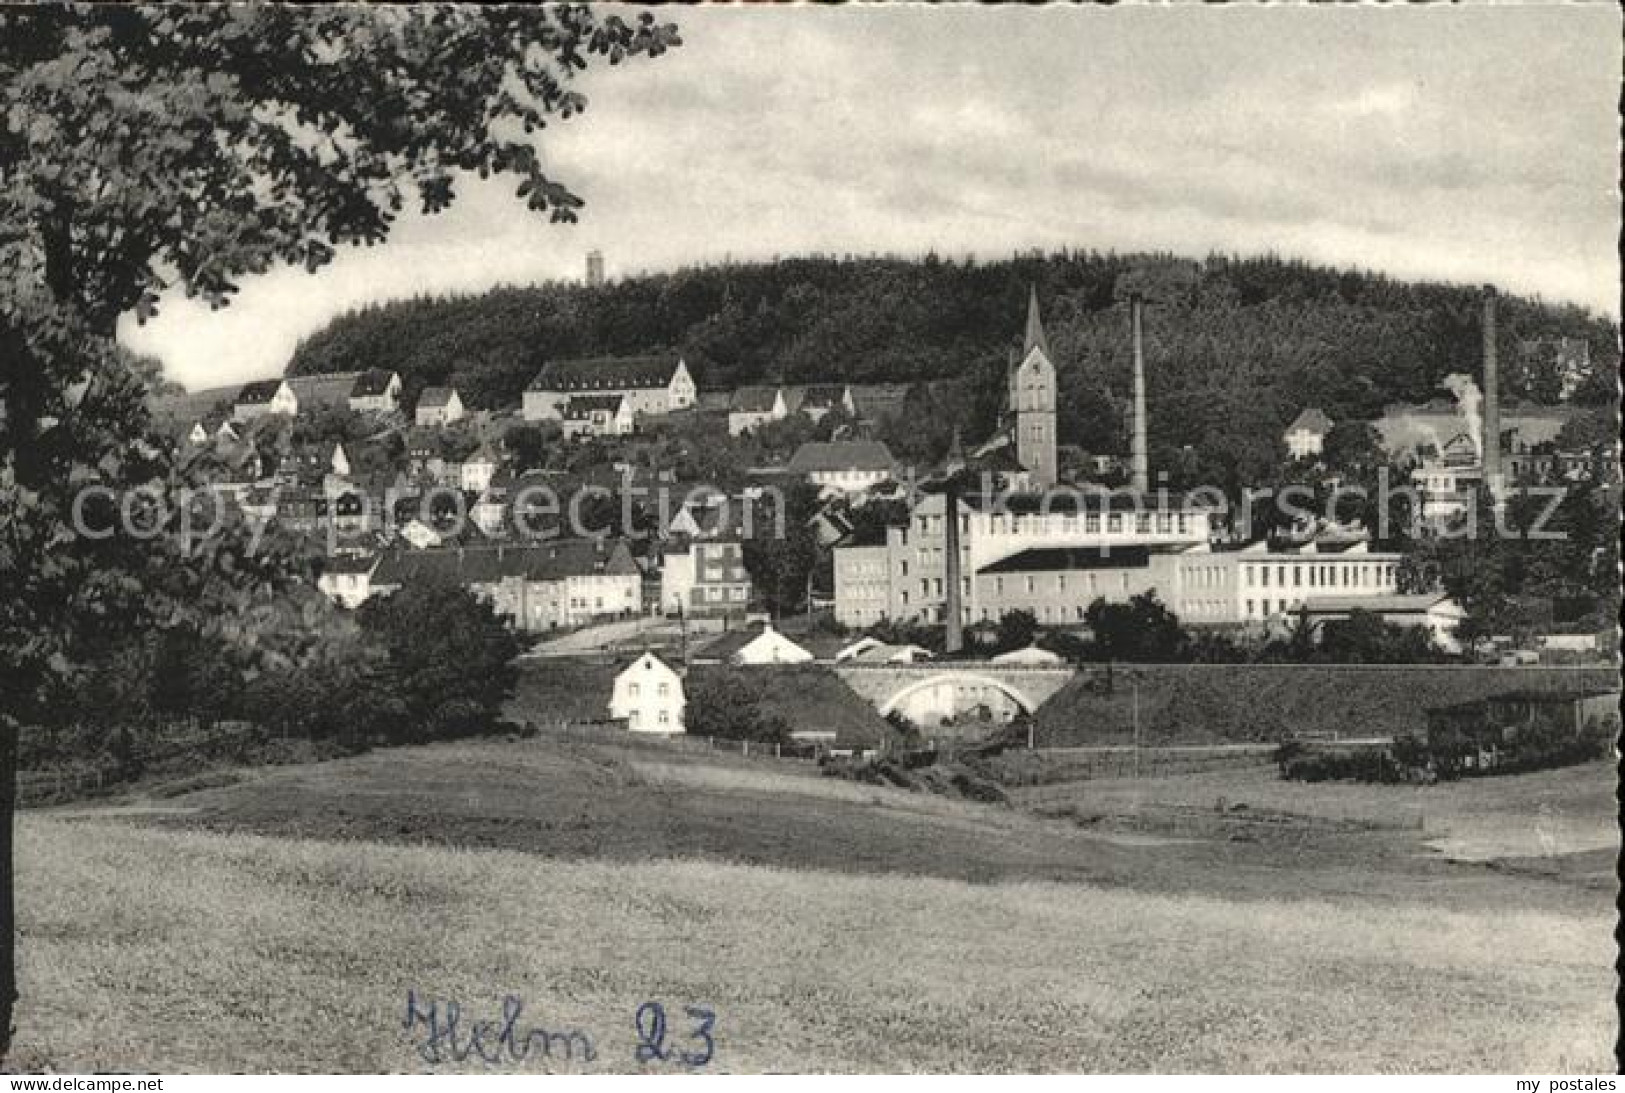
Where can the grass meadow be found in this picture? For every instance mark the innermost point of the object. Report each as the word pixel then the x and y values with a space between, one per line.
pixel 145 947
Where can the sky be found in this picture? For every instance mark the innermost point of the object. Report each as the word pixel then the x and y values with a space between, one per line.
pixel 1468 144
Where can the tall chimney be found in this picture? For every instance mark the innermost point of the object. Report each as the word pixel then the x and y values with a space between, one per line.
pixel 1492 397
pixel 1140 477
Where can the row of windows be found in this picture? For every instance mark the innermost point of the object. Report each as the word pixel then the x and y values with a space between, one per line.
pixel 662 689
pixel 635 718
pixel 1319 575
pixel 1093 582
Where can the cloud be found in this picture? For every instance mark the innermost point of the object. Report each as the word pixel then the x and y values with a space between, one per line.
pixel 1467 144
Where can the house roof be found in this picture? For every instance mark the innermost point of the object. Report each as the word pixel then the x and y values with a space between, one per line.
pixel 192 406
pixel 1548 697
pixel 823 396
pixel 349 563
pixel 372 382
pixel 323 389
pixel 841 455
pixel 878 399
pixel 433 398
pixel 1312 420
pixel 260 391
pixel 606 373
pixel 713 401
pixel 1387 605
pixel 755 399
pixel 550 561
pixel 579 407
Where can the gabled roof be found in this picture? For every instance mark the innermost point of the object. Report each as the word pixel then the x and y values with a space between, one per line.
pixel 260 391
pixel 606 373
pixel 371 383
pixel 755 399
pixel 823 396
pixel 1311 420
pixel 433 398
pixel 192 406
pixel 878 399
pixel 324 389
pixel 841 455
pixel 580 407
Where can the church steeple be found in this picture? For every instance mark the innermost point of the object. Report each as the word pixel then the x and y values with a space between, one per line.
pixel 1035 327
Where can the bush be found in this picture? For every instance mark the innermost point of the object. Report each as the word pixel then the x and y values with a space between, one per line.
pixel 1446 756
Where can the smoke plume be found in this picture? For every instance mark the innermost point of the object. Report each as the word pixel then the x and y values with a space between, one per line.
pixel 1470 399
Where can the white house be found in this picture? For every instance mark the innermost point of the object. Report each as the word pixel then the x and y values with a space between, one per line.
pixel 272 396
pixel 598 415
pixel 648 696
pixel 478 469
pixel 771 647
pixel 752 407
pixel 376 391
pixel 1436 611
pixel 438 406
pixel 847 466
pixel 652 385
pixel 1306 436
pixel 346 580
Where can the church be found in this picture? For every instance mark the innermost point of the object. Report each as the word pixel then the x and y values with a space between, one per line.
pixel 1031 402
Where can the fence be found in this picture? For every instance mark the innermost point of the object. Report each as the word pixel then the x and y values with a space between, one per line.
pixel 615 732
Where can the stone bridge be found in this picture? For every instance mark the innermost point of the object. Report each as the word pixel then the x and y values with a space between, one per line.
pixel 929 694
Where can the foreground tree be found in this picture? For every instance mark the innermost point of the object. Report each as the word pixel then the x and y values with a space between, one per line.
pixel 144 149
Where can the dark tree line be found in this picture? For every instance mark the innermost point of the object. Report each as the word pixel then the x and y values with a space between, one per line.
pixel 1235 346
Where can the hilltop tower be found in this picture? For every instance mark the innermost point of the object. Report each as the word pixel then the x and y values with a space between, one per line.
pixel 1032 401
pixel 595 268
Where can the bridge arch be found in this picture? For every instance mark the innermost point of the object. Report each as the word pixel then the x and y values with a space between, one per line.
pixel 961 681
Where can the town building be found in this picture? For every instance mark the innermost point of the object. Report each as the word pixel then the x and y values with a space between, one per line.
pixel 768 646
pixel 845 466
pixel 540 586
pixel 1435 611
pixel 597 415
pixel 818 401
pixel 376 391
pixel 438 406
pixel 1305 438
pixel 651 384
pixel 475 473
pixel 751 407
pixel 648 696
pixel 323 390
pixel 272 396
pixel 346 579
pixel 705 578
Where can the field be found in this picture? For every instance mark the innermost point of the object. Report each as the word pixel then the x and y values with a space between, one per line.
pixel 278 922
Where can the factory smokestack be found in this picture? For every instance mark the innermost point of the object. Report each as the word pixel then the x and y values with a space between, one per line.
pixel 1140 476
pixel 1492 397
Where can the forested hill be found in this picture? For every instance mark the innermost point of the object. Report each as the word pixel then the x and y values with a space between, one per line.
pixel 1235 347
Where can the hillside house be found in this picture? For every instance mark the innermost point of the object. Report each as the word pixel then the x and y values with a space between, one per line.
pixel 817 401
pixel 376 391
pixel 705 578
pixel 752 407
pixel 844 466
pixel 272 396
pixel 345 579
pixel 323 391
pixel 1436 611
pixel 656 384
pixel 475 473
pixel 768 646
pixel 648 696
pixel 438 406
pixel 1306 437
pixel 597 415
